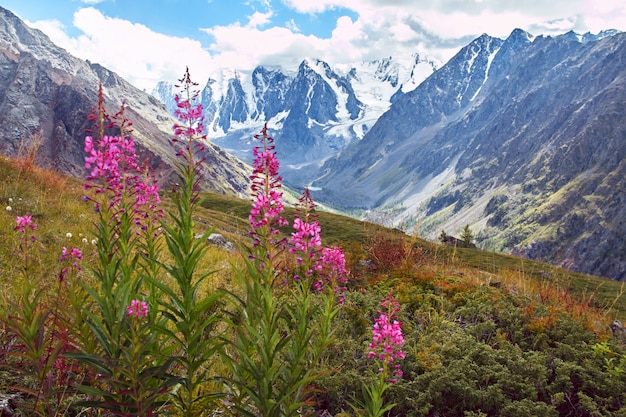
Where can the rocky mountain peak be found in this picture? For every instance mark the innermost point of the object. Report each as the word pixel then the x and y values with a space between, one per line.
pixel 314 110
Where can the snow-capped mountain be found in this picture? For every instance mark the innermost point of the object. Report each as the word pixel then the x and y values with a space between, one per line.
pixel 521 138
pixel 313 111
pixel 524 139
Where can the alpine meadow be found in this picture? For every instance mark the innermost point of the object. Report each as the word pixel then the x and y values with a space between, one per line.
pixel 283 244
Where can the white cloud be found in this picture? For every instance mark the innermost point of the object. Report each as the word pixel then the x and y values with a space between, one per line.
pixel 259 19
pixel 380 28
pixel 54 29
pixel 443 26
pixel 607 14
pixel 138 54
pixel 307 6
pixel 292 26
pixel 244 47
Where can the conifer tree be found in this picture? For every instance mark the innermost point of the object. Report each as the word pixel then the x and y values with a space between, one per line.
pixel 467 236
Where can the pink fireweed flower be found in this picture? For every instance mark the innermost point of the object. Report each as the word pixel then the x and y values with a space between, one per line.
pixel 265 209
pixel 188 111
pixel 108 165
pixel 333 262
pixel 137 309
pixel 190 138
pixel 109 159
pixel 326 264
pixel 74 255
pixel 23 223
pixel 268 205
pixel 190 115
pixel 306 240
pixel 387 338
pixel 147 194
pixel 332 271
pixel 112 166
pixel 306 236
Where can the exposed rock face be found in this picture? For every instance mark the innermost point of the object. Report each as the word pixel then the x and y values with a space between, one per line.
pixel 524 139
pixel 46 96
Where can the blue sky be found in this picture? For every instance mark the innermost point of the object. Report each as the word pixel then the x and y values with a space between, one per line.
pixel 179 18
pixel 150 40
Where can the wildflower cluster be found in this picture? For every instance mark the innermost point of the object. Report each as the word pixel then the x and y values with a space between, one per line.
pixel 137 309
pixel 112 162
pixel 23 223
pixel 267 206
pixel 306 236
pixel 328 263
pixel 271 311
pixel 73 255
pixel 139 366
pixel 113 168
pixel 387 338
pixel 332 271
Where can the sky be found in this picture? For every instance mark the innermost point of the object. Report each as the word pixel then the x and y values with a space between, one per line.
pixel 146 41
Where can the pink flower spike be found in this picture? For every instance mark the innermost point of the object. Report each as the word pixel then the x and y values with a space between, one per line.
pixel 23 221
pixel 76 253
pixel 137 309
pixel 267 207
pixel 64 254
pixel 387 337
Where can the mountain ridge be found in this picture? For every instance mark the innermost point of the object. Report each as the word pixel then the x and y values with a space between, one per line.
pixel 313 110
pixel 47 95
pixel 542 127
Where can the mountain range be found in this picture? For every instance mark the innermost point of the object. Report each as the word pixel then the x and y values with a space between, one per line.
pixel 523 138
pixel 314 111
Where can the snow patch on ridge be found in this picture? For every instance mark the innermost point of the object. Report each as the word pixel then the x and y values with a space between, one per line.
pixel 489 61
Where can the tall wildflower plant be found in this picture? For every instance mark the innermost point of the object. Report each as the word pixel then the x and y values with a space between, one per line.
pixel 317 281
pixel 386 351
pixel 129 370
pixel 41 331
pixel 281 326
pixel 190 314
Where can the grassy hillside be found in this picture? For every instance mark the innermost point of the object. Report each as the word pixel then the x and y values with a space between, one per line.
pixel 485 334
pixel 359 238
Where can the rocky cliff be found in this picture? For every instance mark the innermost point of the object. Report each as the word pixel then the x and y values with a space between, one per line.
pixel 46 96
